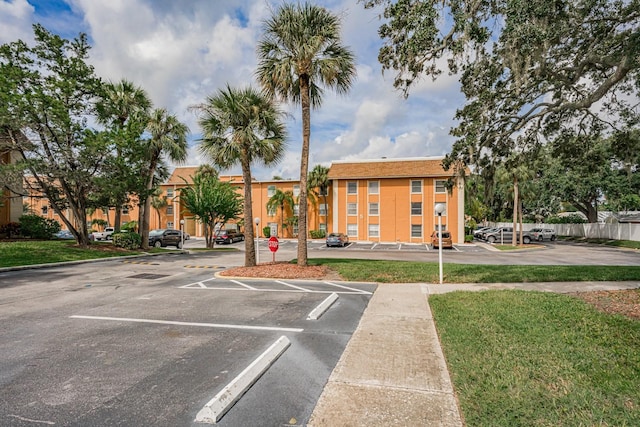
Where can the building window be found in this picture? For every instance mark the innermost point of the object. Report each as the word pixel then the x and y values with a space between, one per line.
pixel 441 186
pixel 170 210
pixel 170 225
pixel 352 209
pixel 271 190
pixel 296 209
pixel 352 230
pixel 45 210
pixel 373 187
pixel 352 187
pixel 169 192
pixel 416 187
pixel 296 190
pixel 323 227
pixel 125 210
pixel 416 230
pixel 373 209
pixel 416 208
pixel 322 209
pixel 271 211
pixel 295 229
pixel 444 213
pixel 374 230
pixel 444 227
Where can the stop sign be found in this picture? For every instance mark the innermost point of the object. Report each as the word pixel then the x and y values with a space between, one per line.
pixel 273 243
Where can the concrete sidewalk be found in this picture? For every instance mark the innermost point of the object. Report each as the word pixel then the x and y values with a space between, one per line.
pixel 393 372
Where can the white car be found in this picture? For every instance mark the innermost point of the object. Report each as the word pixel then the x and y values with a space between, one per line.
pixel 541 234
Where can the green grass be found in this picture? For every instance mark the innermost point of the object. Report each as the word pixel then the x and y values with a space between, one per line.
pixel 427 272
pixel 631 244
pixel 45 252
pixel 539 359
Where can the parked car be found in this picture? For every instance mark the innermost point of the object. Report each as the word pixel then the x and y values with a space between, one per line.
pixel 477 233
pixel 337 239
pixel 161 238
pixel 64 234
pixel 504 235
pixel 228 236
pixel 541 234
pixel 482 235
pixel 104 235
pixel 447 242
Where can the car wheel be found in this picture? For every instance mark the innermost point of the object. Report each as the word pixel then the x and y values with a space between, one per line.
pixel 526 240
pixel 553 238
pixel 228 241
pixel 179 245
pixel 491 239
pixel 540 238
pixel 157 244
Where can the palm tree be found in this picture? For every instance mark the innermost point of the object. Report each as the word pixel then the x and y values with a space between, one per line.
pixel 168 137
pixel 299 53
pixel 242 126
pixel 514 173
pixel 279 200
pixel 318 183
pixel 124 107
pixel 158 201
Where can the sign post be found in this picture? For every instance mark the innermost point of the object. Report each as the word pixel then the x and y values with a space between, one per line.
pixel 273 246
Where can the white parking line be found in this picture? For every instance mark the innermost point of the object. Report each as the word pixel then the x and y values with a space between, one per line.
pixel 358 291
pixel 291 286
pixel 206 325
pixel 243 284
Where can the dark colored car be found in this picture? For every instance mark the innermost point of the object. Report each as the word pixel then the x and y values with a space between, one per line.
pixel 228 236
pixel 337 239
pixel 165 237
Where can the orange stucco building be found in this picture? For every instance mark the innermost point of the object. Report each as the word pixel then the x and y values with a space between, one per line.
pixel 381 200
pixel 10 201
pixel 393 200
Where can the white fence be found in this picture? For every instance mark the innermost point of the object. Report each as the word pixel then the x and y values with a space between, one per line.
pixel 624 231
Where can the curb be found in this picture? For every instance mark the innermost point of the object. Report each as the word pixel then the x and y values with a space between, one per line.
pixel 224 400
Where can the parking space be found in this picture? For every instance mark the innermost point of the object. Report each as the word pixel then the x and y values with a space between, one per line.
pixel 155 346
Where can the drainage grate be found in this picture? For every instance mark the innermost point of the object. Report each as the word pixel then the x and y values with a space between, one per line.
pixel 148 276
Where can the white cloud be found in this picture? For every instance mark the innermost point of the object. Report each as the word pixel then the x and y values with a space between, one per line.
pixel 181 52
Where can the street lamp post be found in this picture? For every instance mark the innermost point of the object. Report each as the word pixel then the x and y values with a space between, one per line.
pixel 182 234
pixel 257 221
pixel 439 210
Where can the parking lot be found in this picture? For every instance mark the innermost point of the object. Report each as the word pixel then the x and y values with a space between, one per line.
pixel 150 343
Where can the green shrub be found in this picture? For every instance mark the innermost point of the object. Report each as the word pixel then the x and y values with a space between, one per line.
pixel 10 229
pixel 318 234
pixel 37 227
pixel 266 231
pixel 128 240
pixel 468 238
pixel 129 226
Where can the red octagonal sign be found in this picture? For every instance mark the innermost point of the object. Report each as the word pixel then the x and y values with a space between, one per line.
pixel 273 243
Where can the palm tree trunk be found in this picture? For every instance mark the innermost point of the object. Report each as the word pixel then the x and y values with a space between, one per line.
pixel 514 239
pixel 249 243
pixel 305 100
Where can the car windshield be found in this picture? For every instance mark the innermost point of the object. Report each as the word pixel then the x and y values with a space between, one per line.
pixel 156 232
pixel 333 235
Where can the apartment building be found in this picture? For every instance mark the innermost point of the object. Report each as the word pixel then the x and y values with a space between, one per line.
pixel 10 201
pixel 393 200
pixel 379 200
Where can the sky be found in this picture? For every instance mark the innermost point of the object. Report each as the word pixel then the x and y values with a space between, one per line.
pixel 180 52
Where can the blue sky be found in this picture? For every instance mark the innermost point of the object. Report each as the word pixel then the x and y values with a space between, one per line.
pixel 182 51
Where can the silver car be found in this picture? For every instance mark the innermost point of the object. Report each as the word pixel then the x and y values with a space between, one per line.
pixel 542 234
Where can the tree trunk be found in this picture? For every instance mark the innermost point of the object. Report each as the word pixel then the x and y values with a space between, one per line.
pixel 305 100
pixel 249 243
pixel 514 238
pixel 145 209
pixel 117 219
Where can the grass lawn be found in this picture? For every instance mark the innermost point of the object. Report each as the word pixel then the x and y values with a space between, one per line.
pixel 44 252
pixel 424 272
pixel 539 359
